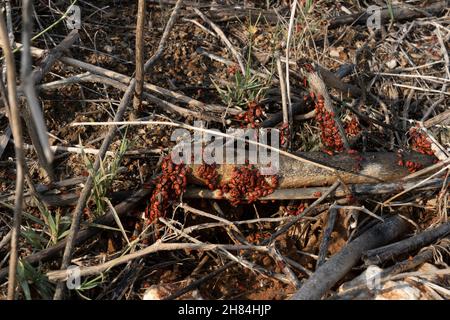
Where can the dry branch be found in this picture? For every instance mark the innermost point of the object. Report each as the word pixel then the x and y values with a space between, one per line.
pixel 338 265
pixel 323 249
pixel 139 55
pixel 61 275
pixel 400 13
pixel 314 192
pixel 225 40
pixel 16 127
pixel 32 112
pixel 380 255
pixel 372 168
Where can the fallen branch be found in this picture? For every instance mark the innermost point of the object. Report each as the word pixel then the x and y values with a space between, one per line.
pixel 327 275
pixel 380 255
pixel 61 275
pixel 361 169
pixel 400 13
pixel 147 86
pixel 315 192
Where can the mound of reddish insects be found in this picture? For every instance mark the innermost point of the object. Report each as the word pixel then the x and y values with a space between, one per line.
pixel 208 173
pixel 169 186
pixel 329 133
pixel 252 115
pixel 419 142
pixel 410 165
pixel 247 185
pixel 295 210
pixel 352 127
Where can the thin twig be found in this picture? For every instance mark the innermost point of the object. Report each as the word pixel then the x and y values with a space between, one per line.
pixel 139 55
pixel 284 228
pixel 288 42
pixel 224 38
pixel 323 250
pixel 35 119
pixel 16 128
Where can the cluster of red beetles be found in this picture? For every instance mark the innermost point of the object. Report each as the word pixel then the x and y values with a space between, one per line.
pixel 252 115
pixel 410 165
pixel 208 173
pixel 284 133
pixel 295 210
pixel 329 133
pixel 419 142
pixel 352 127
pixel 247 184
pixel 169 186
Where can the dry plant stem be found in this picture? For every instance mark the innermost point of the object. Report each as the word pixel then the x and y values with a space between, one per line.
pixel 323 249
pixel 149 97
pixel 85 194
pixel 224 38
pixel 54 55
pixel 288 42
pixel 139 55
pixel 283 92
pixel 281 261
pixel 420 183
pixel 314 192
pixel 424 255
pixel 108 219
pixel 16 128
pixel 400 13
pixel 327 275
pixel 227 62
pixel 284 228
pixel 6 240
pixel 333 81
pixel 226 253
pixel 165 36
pixel 4 139
pixel 61 275
pixel 33 116
pixel 380 255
